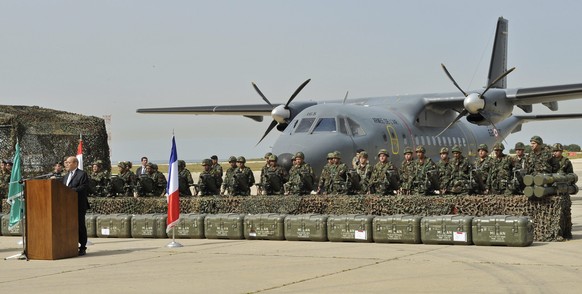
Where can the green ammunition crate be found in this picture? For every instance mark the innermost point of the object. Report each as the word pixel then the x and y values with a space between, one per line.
pixel 503 230
pixel 397 229
pixel 116 225
pixel 306 227
pixel 15 231
pixel 91 224
pixel 446 229
pixel 189 226
pixel 350 228
pixel 266 226
pixel 224 226
pixel 149 225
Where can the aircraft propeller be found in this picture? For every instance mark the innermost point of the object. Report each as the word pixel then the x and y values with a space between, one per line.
pixel 281 113
pixel 474 103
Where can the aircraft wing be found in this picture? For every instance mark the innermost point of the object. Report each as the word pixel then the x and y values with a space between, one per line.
pixel 252 111
pixel 548 95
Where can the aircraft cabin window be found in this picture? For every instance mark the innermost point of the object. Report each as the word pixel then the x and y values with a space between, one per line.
pixel 325 125
pixel 305 125
pixel 422 140
pixel 454 141
pixel 417 140
pixel 440 142
pixel 464 142
pixel 449 141
pixel 355 128
pixel 434 140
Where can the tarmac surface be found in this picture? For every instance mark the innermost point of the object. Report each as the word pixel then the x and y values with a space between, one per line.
pixel 243 266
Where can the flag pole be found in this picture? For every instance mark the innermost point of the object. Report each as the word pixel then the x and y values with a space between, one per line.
pixel 173 194
pixel 16 188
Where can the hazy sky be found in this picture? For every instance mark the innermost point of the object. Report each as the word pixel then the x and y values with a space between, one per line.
pixel 112 57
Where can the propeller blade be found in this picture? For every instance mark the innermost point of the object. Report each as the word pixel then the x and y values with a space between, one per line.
pixel 497 80
pixel 261 94
pixel 461 114
pixel 271 126
pixel 297 92
pixel 453 80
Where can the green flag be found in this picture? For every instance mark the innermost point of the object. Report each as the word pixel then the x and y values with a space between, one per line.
pixel 15 190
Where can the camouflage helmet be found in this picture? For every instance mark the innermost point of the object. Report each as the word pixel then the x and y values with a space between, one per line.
pixel 181 163
pixel 363 154
pixel 150 164
pixel 154 166
pixel 241 159
pixel 207 161
pixel 456 148
pixel 420 148
pixel 214 157
pixel 122 164
pixel 498 146
pixel 330 155
pixel 483 147
pixel 537 139
pixel 519 146
pixel 232 159
pixel 337 154
pixel 300 155
pixel 129 164
pixel 444 150
pixel 267 155
pixel 383 151
pixel 273 157
pixel 407 150
pixel 557 147
pixel 98 163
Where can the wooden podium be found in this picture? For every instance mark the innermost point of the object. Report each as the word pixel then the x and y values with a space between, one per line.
pixel 52 227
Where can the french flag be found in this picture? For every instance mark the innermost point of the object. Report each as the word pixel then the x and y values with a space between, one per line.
pixel 173 197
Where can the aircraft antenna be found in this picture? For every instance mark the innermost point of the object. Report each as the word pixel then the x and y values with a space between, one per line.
pixel 346 97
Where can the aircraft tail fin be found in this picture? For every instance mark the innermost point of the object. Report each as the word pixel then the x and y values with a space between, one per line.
pixel 499 55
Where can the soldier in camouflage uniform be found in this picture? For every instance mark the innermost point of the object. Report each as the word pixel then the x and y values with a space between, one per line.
pixel 364 171
pixel 339 176
pixel 406 172
pixel 243 178
pixel 481 170
pixel 301 177
pixel 4 180
pixel 383 179
pixel 185 180
pixel 263 170
pixel 215 165
pixel 561 164
pixel 459 181
pixel 538 161
pixel 325 183
pixel 443 169
pixel 274 178
pixel 209 180
pixel 159 179
pixel 425 174
pixel 58 170
pixel 499 178
pixel 228 183
pixel 124 183
pixel 518 169
pixel 98 180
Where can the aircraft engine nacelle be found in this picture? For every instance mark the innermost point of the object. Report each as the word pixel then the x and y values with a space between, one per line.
pixel 283 115
pixel 492 108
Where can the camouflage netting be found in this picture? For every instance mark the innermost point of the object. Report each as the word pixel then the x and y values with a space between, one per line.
pixel 551 215
pixel 47 136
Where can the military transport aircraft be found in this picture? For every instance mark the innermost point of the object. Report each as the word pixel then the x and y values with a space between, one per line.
pixel 464 118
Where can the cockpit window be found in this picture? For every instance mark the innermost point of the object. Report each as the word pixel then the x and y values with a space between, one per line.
pixel 355 128
pixel 305 125
pixel 325 125
pixel 342 126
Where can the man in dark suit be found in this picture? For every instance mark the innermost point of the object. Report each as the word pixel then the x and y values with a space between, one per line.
pixel 78 180
pixel 142 169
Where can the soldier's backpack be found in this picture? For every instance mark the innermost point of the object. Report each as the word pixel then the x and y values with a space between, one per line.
pixel 117 186
pixel 274 183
